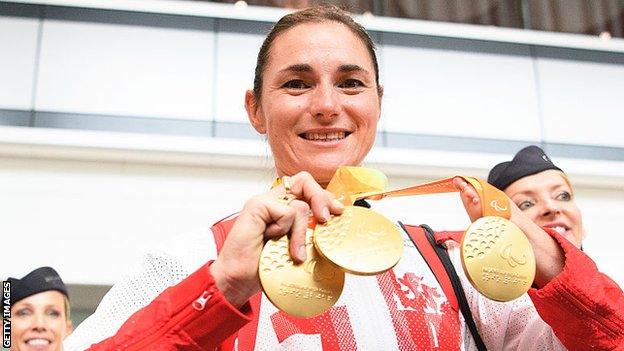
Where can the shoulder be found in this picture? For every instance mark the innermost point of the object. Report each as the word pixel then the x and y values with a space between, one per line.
pixel 191 249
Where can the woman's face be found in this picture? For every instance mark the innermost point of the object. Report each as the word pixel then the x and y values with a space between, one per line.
pixel 547 199
pixel 320 104
pixel 39 323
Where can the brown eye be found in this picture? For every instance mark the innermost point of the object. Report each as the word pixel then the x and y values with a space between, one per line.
pixel 351 83
pixel 295 84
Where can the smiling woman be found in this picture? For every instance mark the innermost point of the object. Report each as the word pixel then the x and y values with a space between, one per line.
pixel 319 96
pixel 542 191
pixel 39 311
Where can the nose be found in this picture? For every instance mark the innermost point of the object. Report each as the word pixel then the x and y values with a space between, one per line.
pixel 549 208
pixel 39 322
pixel 325 104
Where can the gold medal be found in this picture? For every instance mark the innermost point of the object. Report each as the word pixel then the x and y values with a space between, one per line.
pixel 496 255
pixel 303 290
pixel 498 258
pixel 360 241
pixel 349 182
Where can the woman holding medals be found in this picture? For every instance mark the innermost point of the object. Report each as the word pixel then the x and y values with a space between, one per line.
pixel 317 99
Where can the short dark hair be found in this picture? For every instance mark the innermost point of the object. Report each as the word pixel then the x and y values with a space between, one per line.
pixel 316 14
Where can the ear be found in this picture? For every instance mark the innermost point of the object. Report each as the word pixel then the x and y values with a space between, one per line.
pixel 253 113
pixel 380 93
pixel 70 327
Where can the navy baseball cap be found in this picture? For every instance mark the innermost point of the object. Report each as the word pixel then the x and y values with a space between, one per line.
pixel 40 280
pixel 528 161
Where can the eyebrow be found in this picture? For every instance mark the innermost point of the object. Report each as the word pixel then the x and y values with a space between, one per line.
pixel 304 67
pixel 299 67
pixel 351 68
pixel 527 193
pixel 533 192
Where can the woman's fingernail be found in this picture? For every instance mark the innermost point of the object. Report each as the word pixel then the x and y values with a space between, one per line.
pixel 301 253
pixel 325 214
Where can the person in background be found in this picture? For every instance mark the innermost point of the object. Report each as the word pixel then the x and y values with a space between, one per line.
pixel 317 98
pixel 542 191
pixel 39 311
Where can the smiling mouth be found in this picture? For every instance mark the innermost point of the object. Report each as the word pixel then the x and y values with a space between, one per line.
pixel 333 136
pixel 38 342
pixel 559 229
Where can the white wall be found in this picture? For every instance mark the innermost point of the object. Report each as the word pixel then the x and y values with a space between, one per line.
pixel 580 99
pixel 433 88
pixel 125 70
pixel 17 61
pixel 90 220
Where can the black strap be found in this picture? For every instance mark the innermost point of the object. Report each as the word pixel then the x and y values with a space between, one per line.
pixel 457 287
pixel 362 203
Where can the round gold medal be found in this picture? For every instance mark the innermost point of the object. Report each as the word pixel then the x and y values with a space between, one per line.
pixel 303 290
pixel 498 258
pixel 360 241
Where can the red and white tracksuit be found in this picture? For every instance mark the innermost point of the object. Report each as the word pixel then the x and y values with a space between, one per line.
pixel 402 309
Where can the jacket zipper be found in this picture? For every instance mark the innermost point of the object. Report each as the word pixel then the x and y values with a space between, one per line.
pixel 199 304
pixel 196 306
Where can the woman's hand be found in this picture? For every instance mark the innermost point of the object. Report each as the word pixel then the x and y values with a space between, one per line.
pixel 548 255
pixel 470 198
pixel 264 217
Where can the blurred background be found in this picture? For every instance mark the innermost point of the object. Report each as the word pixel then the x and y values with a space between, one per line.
pixel 122 122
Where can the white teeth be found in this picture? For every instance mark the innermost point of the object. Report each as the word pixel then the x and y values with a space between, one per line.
pixel 325 136
pixel 38 342
pixel 560 230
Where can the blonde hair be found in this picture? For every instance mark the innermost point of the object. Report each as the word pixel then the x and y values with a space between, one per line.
pixel 67 307
pixel 567 180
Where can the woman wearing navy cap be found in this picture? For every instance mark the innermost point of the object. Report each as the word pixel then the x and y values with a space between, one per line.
pixel 542 191
pixel 39 311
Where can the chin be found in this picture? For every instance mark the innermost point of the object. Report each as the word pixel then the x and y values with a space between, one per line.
pixel 324 175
